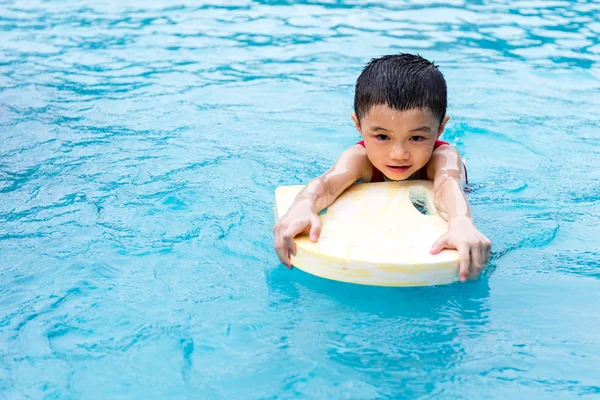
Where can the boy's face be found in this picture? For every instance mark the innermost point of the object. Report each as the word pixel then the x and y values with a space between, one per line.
pixel 399 143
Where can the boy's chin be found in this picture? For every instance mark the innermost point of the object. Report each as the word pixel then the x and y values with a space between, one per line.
pixel 396 178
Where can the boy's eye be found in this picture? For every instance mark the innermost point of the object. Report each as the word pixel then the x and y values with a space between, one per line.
pixel 417 138
pixel 382 137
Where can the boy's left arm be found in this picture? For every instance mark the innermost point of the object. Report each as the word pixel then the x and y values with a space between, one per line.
pixel 446 170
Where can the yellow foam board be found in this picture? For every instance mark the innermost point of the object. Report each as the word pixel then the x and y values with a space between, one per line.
pixel 374 235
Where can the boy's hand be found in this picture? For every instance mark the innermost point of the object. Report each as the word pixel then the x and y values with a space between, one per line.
pixel 473 247
pixel 301 217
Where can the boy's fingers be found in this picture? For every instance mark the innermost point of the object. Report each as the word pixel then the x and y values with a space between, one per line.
pixel 288 264
pixel 486 250
pixel 484 257
pixel 475 263
pixel 295 229
pixel 290 246
pixel 283 255
pixel 290 233
pixel 463 273
pixel 315 228
pixel 439 245
pixel 278 243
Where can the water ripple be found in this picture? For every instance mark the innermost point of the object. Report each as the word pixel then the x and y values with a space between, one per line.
pixel 141 145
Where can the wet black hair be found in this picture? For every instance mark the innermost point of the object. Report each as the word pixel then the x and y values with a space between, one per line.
pixel 402 82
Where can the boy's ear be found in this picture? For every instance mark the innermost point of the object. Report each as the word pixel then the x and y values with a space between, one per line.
pixel 356 122
pixel 443 125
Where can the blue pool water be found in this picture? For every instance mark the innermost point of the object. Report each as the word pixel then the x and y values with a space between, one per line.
pixel 140 146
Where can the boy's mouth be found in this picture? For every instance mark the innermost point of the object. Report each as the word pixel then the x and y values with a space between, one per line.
pixel 398 169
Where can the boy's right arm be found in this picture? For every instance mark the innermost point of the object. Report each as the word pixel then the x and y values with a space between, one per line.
pixel 317 195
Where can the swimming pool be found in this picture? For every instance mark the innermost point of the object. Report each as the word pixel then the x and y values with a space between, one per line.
pixel 141 146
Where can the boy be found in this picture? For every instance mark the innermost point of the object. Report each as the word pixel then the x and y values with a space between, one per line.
pixel 400 112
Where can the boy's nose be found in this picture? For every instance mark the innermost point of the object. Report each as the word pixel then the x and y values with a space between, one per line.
pixel 399 153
